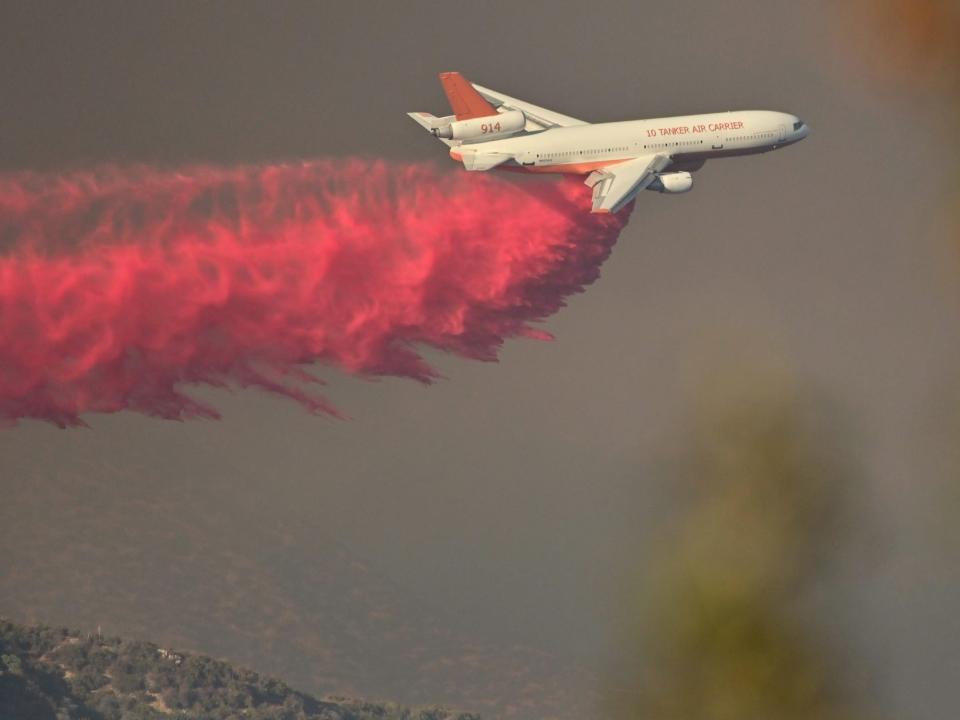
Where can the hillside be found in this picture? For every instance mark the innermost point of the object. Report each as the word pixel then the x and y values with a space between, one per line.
pixel 50 673
pixel 191 565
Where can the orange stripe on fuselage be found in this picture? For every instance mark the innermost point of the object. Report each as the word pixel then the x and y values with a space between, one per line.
pixel 580 168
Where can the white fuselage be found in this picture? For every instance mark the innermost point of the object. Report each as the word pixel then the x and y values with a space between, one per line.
pixel 688 140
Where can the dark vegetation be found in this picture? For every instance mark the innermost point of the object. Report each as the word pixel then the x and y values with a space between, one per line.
pixel 731 619
pixel 51 673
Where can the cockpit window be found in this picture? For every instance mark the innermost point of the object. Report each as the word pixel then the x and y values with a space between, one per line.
pixel 797 125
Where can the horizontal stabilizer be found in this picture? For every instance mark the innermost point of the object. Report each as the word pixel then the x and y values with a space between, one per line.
pixel 432 124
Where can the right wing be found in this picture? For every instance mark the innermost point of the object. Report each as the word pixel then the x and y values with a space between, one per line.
pixel 616 185
pixel 538 118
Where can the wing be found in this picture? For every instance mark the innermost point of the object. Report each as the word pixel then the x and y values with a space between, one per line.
pixel 538 118
pixel 616 185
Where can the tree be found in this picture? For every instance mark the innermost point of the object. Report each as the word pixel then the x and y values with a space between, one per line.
pixel 718 632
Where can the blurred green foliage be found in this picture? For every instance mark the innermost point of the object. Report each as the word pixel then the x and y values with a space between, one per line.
pixel 720 630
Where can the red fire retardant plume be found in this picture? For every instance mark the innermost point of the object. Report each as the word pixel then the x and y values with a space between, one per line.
pixel 120 287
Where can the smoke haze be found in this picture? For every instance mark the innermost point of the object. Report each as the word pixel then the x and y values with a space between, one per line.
pixel 516 496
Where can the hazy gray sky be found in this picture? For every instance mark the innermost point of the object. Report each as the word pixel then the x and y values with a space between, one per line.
pixel 512 493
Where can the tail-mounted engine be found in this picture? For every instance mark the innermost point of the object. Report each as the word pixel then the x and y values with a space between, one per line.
pixel 483 128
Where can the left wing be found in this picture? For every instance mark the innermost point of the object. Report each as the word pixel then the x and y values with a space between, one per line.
pixel 616 185
pixel 538 118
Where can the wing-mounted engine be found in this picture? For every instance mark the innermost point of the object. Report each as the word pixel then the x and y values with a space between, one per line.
pixel 484 128
pixel 673 183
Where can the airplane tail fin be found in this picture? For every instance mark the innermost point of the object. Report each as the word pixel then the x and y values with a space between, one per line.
pixel 465 101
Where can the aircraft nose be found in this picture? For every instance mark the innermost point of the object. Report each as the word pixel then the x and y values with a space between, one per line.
pixel 800 128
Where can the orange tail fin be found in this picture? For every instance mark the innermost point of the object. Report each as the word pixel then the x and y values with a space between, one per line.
pixel 466 102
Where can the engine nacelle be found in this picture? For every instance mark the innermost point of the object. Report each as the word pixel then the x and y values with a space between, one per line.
pixel 483 128
pixel 675 182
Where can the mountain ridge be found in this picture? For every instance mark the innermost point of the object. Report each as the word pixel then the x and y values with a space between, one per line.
pixel 49 673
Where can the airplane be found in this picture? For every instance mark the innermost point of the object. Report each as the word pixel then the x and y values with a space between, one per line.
pixel 491 130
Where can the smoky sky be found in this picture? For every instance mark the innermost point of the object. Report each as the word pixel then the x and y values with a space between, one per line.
pixel 516 494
